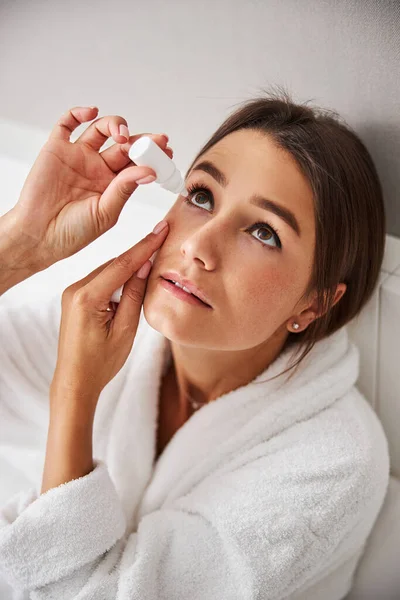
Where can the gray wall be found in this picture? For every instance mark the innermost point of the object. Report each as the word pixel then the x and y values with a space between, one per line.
pixel 180 66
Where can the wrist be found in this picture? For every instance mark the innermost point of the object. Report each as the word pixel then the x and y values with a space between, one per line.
pixel 73 400
pixel 17 255
pixel 69 448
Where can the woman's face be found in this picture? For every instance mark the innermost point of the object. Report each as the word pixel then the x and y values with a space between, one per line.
pixel 226 246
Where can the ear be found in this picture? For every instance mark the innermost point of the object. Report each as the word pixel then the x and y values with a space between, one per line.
pixel 309 314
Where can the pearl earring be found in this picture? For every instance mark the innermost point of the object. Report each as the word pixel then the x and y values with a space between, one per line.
pixel 296 325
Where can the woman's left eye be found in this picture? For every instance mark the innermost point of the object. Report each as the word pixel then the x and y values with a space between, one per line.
pixel 198 191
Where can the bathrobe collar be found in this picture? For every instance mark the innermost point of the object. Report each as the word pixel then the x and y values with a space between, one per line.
pixel 125 426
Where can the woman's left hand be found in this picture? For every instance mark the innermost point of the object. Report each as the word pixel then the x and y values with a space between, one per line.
pixel 94 343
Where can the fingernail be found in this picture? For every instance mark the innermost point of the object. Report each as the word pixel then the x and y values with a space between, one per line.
pixel 124 131
pixel 144 270
pixel 94 107
pixel 165 135
pixel 160 226
pixel 147 179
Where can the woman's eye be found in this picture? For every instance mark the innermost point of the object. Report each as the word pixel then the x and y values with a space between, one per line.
pixel 203 196
pixel 200 194
pixel 270 234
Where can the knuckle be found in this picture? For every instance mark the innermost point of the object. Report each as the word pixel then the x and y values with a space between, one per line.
pixel 135 295
pixel 81 297
pixel 125 188
pixel 71 113
pixel 123 260
pixel 111 120
pixel 120 120
pixel 69 296
pixel 68 292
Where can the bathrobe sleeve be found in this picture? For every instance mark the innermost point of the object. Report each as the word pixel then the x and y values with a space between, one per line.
pixel 260 529
pixel 28 354
pixel 28 357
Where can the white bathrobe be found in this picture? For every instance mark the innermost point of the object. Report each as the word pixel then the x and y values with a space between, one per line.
pixel 270 492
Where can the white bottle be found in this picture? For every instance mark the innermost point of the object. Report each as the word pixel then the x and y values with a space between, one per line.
pixel 145 152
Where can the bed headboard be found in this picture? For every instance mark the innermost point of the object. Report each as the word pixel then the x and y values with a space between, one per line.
pixel 376 332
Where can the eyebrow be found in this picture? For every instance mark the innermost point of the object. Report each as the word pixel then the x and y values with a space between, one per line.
pixel 284 213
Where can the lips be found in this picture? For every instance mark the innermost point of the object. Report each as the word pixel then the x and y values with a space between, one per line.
pixel 192 287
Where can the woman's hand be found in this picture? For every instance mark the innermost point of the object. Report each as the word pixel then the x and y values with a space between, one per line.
pixel 74 193
pixel 93 343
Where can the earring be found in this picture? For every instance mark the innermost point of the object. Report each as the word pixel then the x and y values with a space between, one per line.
pixel 296 325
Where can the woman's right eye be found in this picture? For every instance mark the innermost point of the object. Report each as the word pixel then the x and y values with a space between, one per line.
pixel 198 192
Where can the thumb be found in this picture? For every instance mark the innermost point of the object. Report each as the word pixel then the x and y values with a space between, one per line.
pixel 121 189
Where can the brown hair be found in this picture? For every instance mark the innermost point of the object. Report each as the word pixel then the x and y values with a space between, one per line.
pixel 348 203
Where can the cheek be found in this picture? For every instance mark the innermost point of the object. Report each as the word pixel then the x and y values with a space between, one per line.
pixel 264 289
pixel 154 257
pixel 166 244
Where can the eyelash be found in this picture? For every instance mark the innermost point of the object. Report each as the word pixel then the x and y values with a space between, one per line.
pixel 195 187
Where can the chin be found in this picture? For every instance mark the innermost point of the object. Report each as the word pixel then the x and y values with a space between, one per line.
pixel 179 329
pixel 163 320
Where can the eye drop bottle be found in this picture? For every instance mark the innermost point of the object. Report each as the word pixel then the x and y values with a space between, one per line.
pixel 145 152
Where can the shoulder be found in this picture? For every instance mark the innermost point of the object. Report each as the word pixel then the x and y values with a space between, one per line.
pixel 342 451
pixel 351 435
pixel 300 500
pixel 320 476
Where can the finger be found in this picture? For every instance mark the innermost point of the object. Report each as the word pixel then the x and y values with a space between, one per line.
pixel 128 313
pixel 116 274
pixel 119 190
pixel 70 120
pixel 116 297
pixel 116 157
pixel 100 130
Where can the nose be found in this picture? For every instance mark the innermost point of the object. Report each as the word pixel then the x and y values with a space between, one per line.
pixel 203 245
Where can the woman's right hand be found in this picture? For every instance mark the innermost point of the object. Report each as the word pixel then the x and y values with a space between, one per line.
pixel 74 193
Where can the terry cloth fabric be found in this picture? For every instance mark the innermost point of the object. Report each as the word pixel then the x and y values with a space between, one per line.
pixel 270 492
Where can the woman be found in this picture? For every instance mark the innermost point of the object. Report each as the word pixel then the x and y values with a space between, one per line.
pixel 180 462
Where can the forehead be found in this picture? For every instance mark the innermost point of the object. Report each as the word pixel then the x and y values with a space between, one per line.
pixel 252 163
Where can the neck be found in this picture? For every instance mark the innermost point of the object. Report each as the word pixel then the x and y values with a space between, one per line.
pixel 204 375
